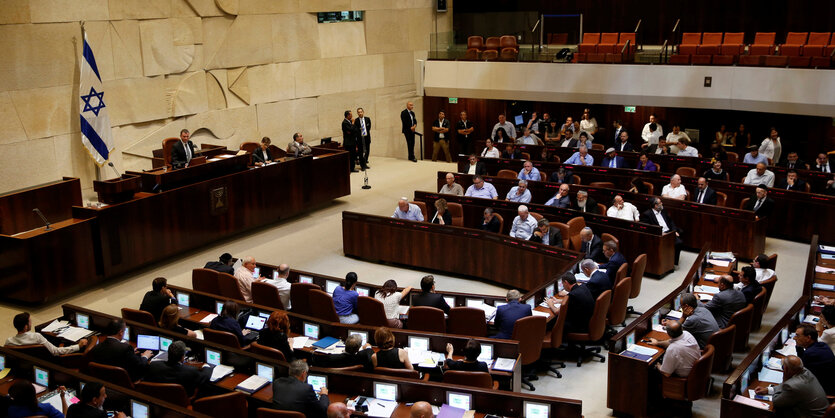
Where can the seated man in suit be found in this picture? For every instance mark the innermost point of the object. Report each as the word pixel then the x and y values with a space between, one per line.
pixel 793 162
pixel 262 154
pixel 476 167
pixel 562 176
pixel 173 370
pixel 598 280
pixel 584 203
pixel 592 245
pixel 561 199
pixel 792 182
pixel 800 394
pixel 113 352
pixel 657 215
pixel 428 297
pixel 506 315
pixel 704 194
pixel 26 335
pixel 183 150
pixel 682 351
pixel 725 303
pixel 293 393
pixel 748 284
pixel 697 320
pixel 490 222
pixel 824 164
pixel 616 259
pixel 816 355
pixel 576 301
pixel 612 160
pixel 156 299
pixel 511 152
pixel 761 204
pixel 623 144
pixel 223 265
pixel 355 354
pixel 545 234
pixel 298 148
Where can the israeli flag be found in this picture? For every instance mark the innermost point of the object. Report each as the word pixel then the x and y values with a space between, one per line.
pixel 95 123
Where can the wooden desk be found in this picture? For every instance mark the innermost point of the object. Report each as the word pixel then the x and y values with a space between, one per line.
pixel 451 249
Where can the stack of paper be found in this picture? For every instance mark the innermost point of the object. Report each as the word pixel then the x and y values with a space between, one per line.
pixel 199 334
pixel 252 384
pixel 504 364
pixel 540 313
pixel 581 278
pixel 75 333
pixel 712 277
pixel 722 256
pixel 706 289
pixel 208 318
pixel 748 401
pixel 788 350
pixel 775 363
pixel 403 310
pixel 705 297
pixel 768 375
pixel 826 249
pixel 380 408
pixel 720 263
pixel 448 411
pixel 821 286
pixel 675 314
pixel 822 269
pixel 423 358
pixel 811 319
pixel 299 342
pixel 220 371
pixel 55 325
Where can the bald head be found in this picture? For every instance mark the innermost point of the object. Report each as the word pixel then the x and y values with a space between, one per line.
pixel 421 410
pixel 792 365
pixel 673 329
pixel 338 410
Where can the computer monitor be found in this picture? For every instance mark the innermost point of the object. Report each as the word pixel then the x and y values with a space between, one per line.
pixel 474 303
pixel 126 335
pixel 275 274
pixel 255 322
pixel 549 291
pixel 311 330
pixel 139 409
pixel 450 300
pixel 363 291
pixel 265 315
pixel 81 386
pixel 213 357
pixel 305 279
pixel 317 381
pixel 486 353
pixel 164 343
pixel 218 307
pixel 630 339
pixel 183 299
pixel 147 342
pixel 385 391
pixel 531 302
pixel 677 303
pixel 82 320
pixel 330 286
pixel 459 400
pixel 519 120
pixel 362 334
pixel 256 272
pixel 536 410
pixel 264 370
pixel 419 343
pixel 2 362
pixel 41 376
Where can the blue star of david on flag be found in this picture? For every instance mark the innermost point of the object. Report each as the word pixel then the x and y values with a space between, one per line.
pixel 87 98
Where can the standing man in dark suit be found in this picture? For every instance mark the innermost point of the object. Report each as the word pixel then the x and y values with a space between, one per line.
pixel 173 370
pixel 465 129
pixel 506 315
pixel 618 128
pixel 183 150
pixel 428 297
pixel 350 140
pixel 156 299
pixel 409 122
pixel 657 215
pixel 580 306
pixel 598 280
pixel 816 356
pixel 293 393
pixel 223 265
pixel 113 352
pixel 792 182
pixel 704 194
pixel 761 204
pixel 616 259
pixel 592 245
pixel 363 125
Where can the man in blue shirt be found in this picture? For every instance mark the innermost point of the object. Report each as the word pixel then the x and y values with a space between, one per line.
pixel 561 199
pixel 407 211
pixel 519 193
pixel 529 172
pixel 529 139
pixel 481 189
pixel 523 225
pixel 754 157
pixel 506 315
pixel 581 157
pixel 345 300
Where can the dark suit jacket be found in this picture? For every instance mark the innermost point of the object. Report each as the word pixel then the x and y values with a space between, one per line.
pixel 492 226
pixel 438 124
pixel 506 316
pixel 367 127
pixel 480 168
pixel 619 162
pixel 820 360
pixel 290 394
pixel 406 121
pixel 515 156
pixel 724 304
pixel 190 377
pixel 178 153
pixel 225 323
pixel 599 283
pixel 82 410
pixel 261 155
pixel 218 266
pixel 362 357
pixel 580 308
pixel 155 302
pixel 349 134
pixel 595 252
pixel 554 237
pixel 764 209
pixel 798 165
pixel 591 205
pixel 830 162
pixel 116 353
pixel 648 217
pixel 613 265
pixel 568 178
pixel 751 291
pixel 709 196
pixel 277 340
pixel 652 148
pixel 799 185
pixel 430 299
pixel 621 147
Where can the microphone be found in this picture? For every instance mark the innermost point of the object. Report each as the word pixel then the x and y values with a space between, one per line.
pixel 365 181
pixel 110 163
pixel 43 218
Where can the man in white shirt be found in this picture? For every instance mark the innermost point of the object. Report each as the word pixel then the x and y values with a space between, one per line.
pixel 623 210
pixel 27 336
pixel 771 147
pixel 451 187
pixel 682 351
pixel 674 190
pixel 686 151
pixel 759 175
pixel 529 139
pixel 676 134
pixel 520 193
pixel 407 211
pixel 246 275
pixel 523 225
pixel 645 133
pixel 283 285
pixel 508 127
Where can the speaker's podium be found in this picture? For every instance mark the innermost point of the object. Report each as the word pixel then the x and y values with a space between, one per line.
pixel 42 261
pixel 118 190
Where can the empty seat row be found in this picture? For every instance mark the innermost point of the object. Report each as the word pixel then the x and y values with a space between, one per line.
pixel 801 49
pixel 606 47
pixel 494 43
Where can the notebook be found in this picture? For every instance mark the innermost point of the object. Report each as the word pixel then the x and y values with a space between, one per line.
pixel 325 342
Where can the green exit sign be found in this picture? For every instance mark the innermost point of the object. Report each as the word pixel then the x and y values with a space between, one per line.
pixel 629 109
pixel 453 100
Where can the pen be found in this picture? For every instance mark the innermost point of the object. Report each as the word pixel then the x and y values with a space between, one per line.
pixel 379 404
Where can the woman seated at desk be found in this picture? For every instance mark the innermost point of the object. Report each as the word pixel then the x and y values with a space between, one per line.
pixel 227 321
pixel 442 215
pixel 275 335
pixel 170 320
pixel 390 297
pixel 389 356
pixel 262 155
pixel 25 404
pixel 470 363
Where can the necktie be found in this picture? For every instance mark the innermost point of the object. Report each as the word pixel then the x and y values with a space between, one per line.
pixel 791 165
pixel 757 206
pixel 362 124
pixel 188 151
pixel 701 193
pixel 612 163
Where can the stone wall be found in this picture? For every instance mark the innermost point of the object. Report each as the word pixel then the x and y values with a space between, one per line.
pixel 228 70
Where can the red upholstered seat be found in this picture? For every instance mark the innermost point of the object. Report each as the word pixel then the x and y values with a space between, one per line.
pixel 763 44
pixel 794 43
pixel 589 44
pixel 816 45
pixel 627 36
pixel 711 43
pixel 476 42
pixel 689 43
pixel 607 44
pixel 733 44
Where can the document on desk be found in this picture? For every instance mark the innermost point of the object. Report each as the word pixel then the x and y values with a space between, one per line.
pixel 811 319
pixel 748 401
pixel 705 297
pixel 208 318
pixel 380 408
pixel 822 269
pixel 581 278
pixel 753 395
pixel 828 256
pixel 788 350
pixel 821 286
pixel 75 333
pixel 423 358
pixel 489 311
pixel 720 263
pixel 826 249
pixel 540 313
pixel 775 363
pixel 768 375
pixel 220 371
pixel 199 334
pixel 252 384
pixel 448 411
pixel 55 325
pixel 712 277
pixel 706 289
pixel 675 314
pixel 504 364
pixel 640 352
pixel 299 342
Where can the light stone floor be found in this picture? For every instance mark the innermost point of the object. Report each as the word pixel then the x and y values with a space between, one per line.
pixel 312 242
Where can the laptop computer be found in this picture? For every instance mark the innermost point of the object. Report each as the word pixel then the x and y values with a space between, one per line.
pixel 255 323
